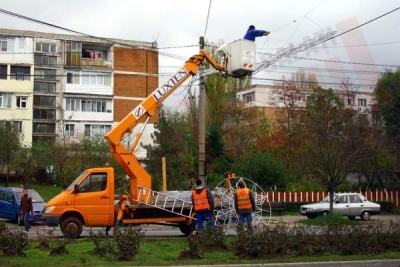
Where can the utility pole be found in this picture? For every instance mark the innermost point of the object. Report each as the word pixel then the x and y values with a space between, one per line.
pixel 202 119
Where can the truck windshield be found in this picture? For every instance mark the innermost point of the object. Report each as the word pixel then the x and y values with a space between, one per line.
pixel 76 180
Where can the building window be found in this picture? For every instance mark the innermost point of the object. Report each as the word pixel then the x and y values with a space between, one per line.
pixel 88 105
pixel 40 100
pixel 40 127
pixel 362 102
pixel 297 97
pixel 93 54
pixel 45 74
pixel 16 124
pixel 93 130
pixel 376 117
pixel 3 72
pixel 43 87
pixel 72 104
pixel 3 45
pixel 22 101
pixel 46 61
pixel 21 43
pixel 45 47
pixel 44 114
pixel 5 100
pixel 73 78
pixel 249 97
pixel 96 79
pixel 20 73
pixel 69 129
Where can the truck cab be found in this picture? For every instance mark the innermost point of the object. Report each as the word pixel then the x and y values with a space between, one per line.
pixel 88 200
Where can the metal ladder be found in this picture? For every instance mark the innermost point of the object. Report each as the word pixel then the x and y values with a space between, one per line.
pixel 165 202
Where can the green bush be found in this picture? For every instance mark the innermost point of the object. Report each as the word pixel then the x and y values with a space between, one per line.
pixel 103 245
pixel 334 237
pixel 128 240
pixel 12 241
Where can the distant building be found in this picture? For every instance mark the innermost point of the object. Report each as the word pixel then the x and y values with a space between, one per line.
pixel 274 99
pixel 56 85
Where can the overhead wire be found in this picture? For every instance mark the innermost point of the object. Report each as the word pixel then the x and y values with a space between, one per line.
pixel 208 16
pixel 365 23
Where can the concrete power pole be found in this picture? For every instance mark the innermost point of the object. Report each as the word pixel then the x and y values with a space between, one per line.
pixel 202 119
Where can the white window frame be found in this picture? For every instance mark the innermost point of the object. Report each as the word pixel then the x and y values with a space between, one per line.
pixel 39 47
pixel 22 102
pixel 5 100
pixel 362 102
pixel 3 45
pixel 249 97
pixel 21 43
pixel 96 79
pixel 69 129
pixel 75 77
pixel 96 130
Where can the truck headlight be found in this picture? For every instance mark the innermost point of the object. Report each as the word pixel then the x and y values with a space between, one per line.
pixel 48 209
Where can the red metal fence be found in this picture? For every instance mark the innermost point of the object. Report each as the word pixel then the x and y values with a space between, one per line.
pixel 376 196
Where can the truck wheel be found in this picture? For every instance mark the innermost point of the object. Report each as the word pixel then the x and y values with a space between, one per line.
pixel 185 229
pixel 71 227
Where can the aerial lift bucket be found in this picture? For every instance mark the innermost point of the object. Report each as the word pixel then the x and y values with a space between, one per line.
pixel 239 57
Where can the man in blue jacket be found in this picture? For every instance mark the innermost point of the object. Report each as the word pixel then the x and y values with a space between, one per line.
pixel 252 33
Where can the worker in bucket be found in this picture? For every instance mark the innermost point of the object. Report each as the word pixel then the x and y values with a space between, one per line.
pixel 252 33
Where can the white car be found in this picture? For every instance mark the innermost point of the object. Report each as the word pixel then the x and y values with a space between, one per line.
pixel 346 204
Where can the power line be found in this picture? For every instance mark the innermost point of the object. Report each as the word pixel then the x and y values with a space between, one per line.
pixel 365 23
pixel 347 62
pixel 208 15
pixel 320 83
pixel 337 46
pixel 81 33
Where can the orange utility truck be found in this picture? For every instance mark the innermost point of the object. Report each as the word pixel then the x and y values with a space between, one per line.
pixel 90 201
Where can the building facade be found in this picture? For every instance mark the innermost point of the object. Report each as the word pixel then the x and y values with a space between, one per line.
pixel 66 86
pixel 274 99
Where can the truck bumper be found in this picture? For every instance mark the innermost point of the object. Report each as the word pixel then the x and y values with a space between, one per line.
pixel 51 220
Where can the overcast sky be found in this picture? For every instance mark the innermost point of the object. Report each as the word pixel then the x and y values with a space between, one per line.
pixel 179 23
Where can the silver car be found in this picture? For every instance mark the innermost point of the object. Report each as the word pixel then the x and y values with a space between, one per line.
pixel 346 204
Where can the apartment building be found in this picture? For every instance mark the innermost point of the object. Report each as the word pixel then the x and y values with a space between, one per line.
pixel 67 86
pixel 274 99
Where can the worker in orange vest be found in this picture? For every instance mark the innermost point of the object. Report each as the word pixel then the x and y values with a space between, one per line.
pixel 244 204
pixel 203 203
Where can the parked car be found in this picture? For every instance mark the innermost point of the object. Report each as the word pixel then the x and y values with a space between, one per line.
pixel 346 204
pixel 10 198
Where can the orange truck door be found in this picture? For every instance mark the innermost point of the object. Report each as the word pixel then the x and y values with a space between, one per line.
pixel 95 199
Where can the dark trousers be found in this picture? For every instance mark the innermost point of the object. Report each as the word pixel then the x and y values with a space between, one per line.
pixel 25 219
pixel 204 215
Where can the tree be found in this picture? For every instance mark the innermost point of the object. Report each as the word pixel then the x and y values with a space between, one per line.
pixel 173 141
pixel 263 169
pixel 10 144
pixel 387 93
pixel 331 145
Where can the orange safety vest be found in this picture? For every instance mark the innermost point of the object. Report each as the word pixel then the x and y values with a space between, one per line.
pixel 200 201
pixel 243 199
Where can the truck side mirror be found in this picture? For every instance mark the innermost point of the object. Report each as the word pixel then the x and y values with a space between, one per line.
pixel 76 188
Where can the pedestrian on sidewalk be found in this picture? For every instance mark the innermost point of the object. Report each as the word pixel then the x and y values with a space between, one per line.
pixel 25 208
